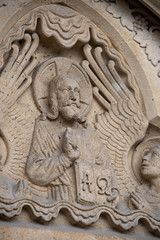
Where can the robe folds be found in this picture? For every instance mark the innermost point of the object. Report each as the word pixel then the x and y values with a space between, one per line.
pixel 48 166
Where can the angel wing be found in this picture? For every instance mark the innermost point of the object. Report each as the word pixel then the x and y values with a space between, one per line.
pixel 15 126
pixel 123 123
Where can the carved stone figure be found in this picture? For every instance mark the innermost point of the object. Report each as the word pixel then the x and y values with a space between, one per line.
pixel 147 197
pixel 72 120
pixel 66 153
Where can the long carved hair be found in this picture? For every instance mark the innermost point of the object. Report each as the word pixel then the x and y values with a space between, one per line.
pixel 52 96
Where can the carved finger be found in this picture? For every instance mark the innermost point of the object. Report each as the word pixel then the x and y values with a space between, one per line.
pixel 116 88
pixel 10 61
pixel 99 73
pixel 96 81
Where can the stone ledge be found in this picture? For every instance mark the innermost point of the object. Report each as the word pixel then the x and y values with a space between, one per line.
pixel 19 233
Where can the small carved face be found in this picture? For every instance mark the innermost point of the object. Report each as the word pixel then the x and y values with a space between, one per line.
pixel 150 167
pixel 68 96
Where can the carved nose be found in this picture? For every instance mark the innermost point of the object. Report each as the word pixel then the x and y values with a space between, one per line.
pixel 146 157
pixel 72 95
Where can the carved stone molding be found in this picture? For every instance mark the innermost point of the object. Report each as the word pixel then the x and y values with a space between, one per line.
pixel 146 31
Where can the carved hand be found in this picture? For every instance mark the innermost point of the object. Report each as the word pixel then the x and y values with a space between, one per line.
pixel 69 146
pixel 139 202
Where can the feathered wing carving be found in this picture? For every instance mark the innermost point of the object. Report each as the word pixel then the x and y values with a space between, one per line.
pixel 14 117
pixel 123 123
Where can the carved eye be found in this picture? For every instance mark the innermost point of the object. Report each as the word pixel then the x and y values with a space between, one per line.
pixel 65 90
pixel 155 154
pixel 76 90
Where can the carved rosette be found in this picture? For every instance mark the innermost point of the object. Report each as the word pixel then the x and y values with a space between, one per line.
pixel 46 39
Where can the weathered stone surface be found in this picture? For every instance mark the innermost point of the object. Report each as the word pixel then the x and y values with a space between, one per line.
pixel 14 233
pixel 79 104
pixel 153 5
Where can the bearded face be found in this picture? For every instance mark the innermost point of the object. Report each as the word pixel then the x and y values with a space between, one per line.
pixel 68 96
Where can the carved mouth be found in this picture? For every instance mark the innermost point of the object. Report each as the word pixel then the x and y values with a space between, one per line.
pixel 72 104
pixel 145 165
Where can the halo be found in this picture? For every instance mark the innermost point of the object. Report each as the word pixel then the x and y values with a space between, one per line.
pixel 60 66
pixel 138 153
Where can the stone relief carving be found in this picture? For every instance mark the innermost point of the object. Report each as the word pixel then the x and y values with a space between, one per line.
pixel 71 120
pixel 146 197
pixel 146 164
pixel 146 31
pixel 58 145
